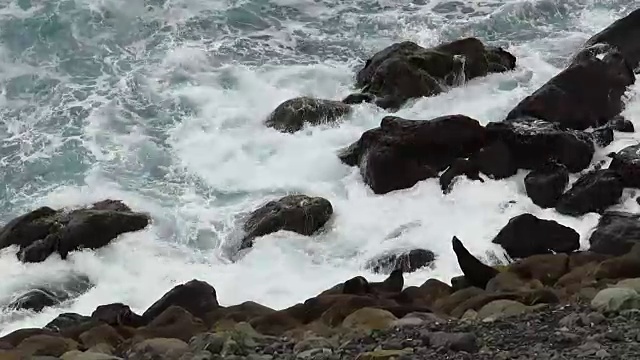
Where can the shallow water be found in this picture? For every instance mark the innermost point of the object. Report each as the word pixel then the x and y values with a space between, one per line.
pixel 161 103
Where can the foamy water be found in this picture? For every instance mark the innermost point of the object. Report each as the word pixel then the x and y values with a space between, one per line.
pixel 161 104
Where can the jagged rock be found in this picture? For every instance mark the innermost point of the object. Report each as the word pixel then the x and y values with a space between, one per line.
pixel 545 185
pixel 407 261
pixel 495 160
pixel 293 114
pixel 533 143
pixel 586 94
pixel 406 70
pixel 459 167
pixel 616 233
pixel 195 296
pixel 402 152
pixel 298 213
pixel 627 163
pixel 477 273
pixel 44 231
pixel 526 235
pixel 593 192
pixel 621 35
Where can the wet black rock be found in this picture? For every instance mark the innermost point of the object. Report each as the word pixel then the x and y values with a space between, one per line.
pixel 616 233
pixel 619 123
pixel 545 185
pixel 66 321
pixel 526 235
pixel 593 192
pixel 495 160
pixel 627 163
pixel 409 261
pixel 51 294
pixel 195 296
pixel 293 114
pixel 458 168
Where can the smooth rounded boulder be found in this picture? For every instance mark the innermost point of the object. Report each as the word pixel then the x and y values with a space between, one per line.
pixel 406 70
pixel 626 162
pixel 616 233
pixel 298 213
pixel 586 94
pixel 526 235
pixel 593 192
pixel 545 185
pixel 292 115
pixel 402 152
pixel 195 296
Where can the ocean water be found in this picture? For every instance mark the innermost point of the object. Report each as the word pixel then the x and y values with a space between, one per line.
pixel 160 103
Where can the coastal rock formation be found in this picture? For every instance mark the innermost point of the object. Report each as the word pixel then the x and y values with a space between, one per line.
pixel 402 152
pixel 298 213
pixel 594 191
pixel 622 35
pixel 44 231
pixel 292 115
pixel 545 185
pixel 406 70
pixel 409 261
pixel 617 232
pixel 626 162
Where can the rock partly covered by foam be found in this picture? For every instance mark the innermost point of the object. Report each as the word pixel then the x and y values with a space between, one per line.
pixel 408 261
pixel 626 162
pixel 44 231
pixel 545 185
pixel 622 35
pixel 593 192
pixel 292 115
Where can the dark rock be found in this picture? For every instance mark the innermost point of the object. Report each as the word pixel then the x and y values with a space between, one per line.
pixel 51 294
pixel 117 314
pixel 238 313
pixel 292 115
pixel 616 233
pixel 101 334
pixel 358 99
pixel 546 185
pixel 14 338
pixel 44 231
pixel 406 70
pixel 174 322
pixel 533 143
pixel 593 192
pixel 586 94
pixel 402 152
pixel 459 167
pixel 495 160
pixel 477 273
pixel 65 321
pixel 619 123
pixel 603 135
pixel 455 341
pixel 621 35
pixel 627 163
pixel 298 213
pixel 526 235
pixel 35 300
pixel 195 296
pixel 392 284
pixel 547 268
pixel 408 261
pixel 459 283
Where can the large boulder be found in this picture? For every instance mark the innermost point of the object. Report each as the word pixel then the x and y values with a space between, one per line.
pixel 459 167
pixel 622 35
pixel 616 233
pixel 298 213
pixel 477 273
pixel 526 235
pixel 117 314
pixel 593 192
pixel 545 185
pixel 408 261
pixel 402 152
pixel 586 94
pixel 44 231
pixel 406 70
pixel 293 114
pixel 195 296
pixel 534 142
pixel 495 160
pixel 627 163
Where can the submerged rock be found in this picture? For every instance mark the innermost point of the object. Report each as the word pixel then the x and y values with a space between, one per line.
pixel 292 115
pixel 298 213
pixel 407 261
pixel 402 152
pixel 616 233
pixel 406 70
pixel 526 235
pixel 545 185
pixel 458 168
pixel 593 192
pixel 45 231
pixel 51 294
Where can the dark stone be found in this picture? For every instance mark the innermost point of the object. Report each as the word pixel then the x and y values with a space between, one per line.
pixel 238 313
pixel 407 261
pixel 455 341
pixel 406 70
pixel 627 163
pixel 619 123
pixel 477 273
pixel 459 167
pixel 51 294
pixel 66 321
pixel 616 233
pixel 545 185
pixel 603 135
pixel 195 296
pixel 392 284
pixel 117 314
pixel 533 143
pixel 622 35
pixel 292 115
pixel 35 300
pixel 496 161
pixel 402 152
pixel 593 192
pixel 586 94
pixel 173 322
pixel 459 283
pixel 353 99
pixel 298 213
pixel 526 235
pixel 44 231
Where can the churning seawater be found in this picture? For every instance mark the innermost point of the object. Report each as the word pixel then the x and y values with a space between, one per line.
pixel 160 103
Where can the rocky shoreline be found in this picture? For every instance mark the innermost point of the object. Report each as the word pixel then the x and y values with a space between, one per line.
pixel 552 302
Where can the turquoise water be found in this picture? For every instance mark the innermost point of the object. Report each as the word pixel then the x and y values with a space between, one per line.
pixel 161 103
